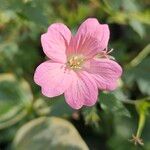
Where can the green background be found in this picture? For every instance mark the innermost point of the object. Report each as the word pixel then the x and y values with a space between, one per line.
pixel 30 121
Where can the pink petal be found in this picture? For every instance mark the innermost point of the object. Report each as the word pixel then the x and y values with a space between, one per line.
pixel 55 42
pixel 91 38
pixel 53 78
pixel 105 72
pixel 82 91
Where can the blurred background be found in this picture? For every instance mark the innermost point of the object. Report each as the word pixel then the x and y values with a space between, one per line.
pixel 30 121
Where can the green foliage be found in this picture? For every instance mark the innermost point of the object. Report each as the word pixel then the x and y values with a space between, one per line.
pixel 13 93
pixel 140 74
pixel 116 116
pixel 91 116
pixel 110 104
pixel 58 103
pixel 55 133
pixel 15 100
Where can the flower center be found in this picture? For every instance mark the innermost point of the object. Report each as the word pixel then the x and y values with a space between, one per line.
pixel 75 62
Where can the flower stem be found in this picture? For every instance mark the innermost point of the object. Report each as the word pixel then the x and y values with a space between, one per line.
pixel 138 59
pixel 140 124
pixel 134 102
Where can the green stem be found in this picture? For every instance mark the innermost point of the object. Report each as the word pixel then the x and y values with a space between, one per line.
pixel 141 124
pixel 138 59
pixel 127 101
pixel 134 102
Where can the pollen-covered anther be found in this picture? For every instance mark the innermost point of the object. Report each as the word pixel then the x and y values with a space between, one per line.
pixel 75 62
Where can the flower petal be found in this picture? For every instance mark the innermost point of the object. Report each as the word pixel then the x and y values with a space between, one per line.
pixel 53 78
pixel 82 91
pixel 55 42
pixel 91 38
pixel 105 72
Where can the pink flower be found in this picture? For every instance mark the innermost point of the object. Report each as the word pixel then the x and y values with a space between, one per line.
pixel 78 65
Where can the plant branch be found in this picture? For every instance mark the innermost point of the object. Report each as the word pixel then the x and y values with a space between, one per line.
pixel 138 59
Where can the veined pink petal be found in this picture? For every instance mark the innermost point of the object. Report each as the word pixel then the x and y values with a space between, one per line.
pixel 91 38
pixel 105 72
pixel 55 42
pixel 82 91
pixel 74 69
pixel 53 78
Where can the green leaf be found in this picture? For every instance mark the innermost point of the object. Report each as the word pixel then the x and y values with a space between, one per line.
pixel 143 84
pixel 119 18
pixel 13 92
pixel 15 98
pixel 6 16
pixel 130 5
pixel 140 74
pixel 8 50
pixel 137 27
pixel 34 12
pixel 110 103
pixel 143 106
pixel 48 133
pixel 59 107
pixel 91 115
pixel 142 17
pixel 41 108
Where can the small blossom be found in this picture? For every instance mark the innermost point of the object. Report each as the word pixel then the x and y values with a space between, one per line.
pixel 78 65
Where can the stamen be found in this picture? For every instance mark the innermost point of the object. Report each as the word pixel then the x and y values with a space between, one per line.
pixel 109 51
pixel 105 54
pixel 75 62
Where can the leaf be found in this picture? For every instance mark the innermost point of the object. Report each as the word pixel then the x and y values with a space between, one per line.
pixel 141 75
pixel 144 85
pixel 119 18
pixel 137 27
pixel 13 92
pixel 48 133
pixel 91 115
pixel 8 50
pixel 59 107
pixel 34 12
pixel 15 97
pixel 130 5
pixel 143 17
pixel 41 108
pixel 12 112
pixel 143 106
pixel 6 16
pixel 110 103
pixel 113 4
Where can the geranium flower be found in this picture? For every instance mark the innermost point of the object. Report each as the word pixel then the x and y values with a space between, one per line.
pixel 79 65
